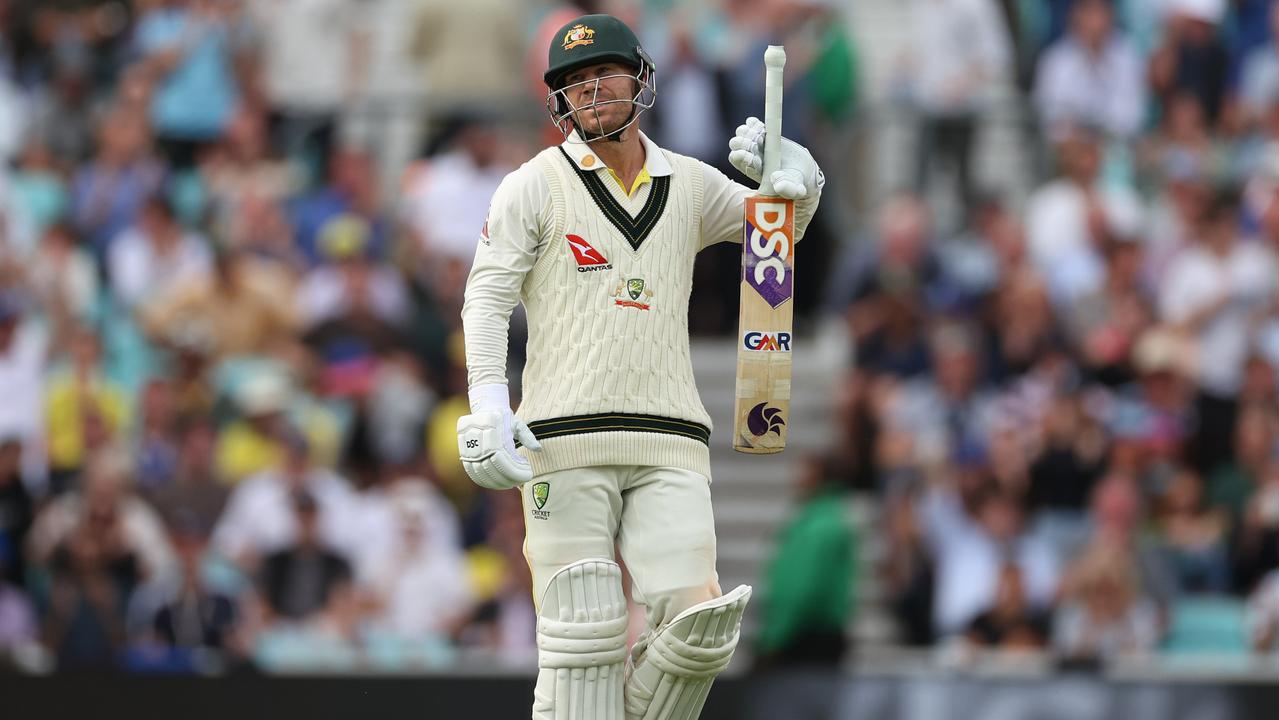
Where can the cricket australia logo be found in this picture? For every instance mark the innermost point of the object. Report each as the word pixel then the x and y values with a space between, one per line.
pixel 541 493
pixel 578 35
pixel 634 289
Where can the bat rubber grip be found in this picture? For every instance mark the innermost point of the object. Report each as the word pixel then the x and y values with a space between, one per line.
pixel 774 62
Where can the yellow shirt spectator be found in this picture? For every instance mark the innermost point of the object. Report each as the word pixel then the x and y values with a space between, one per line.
pixel 78 409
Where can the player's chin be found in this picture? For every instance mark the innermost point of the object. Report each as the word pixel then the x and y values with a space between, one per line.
pixel 605 122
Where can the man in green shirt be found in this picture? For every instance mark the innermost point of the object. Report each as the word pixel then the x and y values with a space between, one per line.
pixel 807 604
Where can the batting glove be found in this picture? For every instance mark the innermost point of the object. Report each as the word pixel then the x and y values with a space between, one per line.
pixel 486 440
pixel 798 176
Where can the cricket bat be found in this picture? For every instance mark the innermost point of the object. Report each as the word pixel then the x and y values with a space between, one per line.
pixel 762 408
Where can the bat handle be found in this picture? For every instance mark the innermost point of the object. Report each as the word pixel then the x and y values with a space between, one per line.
pixel 774 62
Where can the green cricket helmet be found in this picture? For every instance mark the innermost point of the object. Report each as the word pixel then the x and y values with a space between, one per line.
pixel 591 40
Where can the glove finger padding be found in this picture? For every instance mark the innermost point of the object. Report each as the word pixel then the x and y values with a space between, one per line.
pixel 526 436
pixel 512 469
pixel 789 184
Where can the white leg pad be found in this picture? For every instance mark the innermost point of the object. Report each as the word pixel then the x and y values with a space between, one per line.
pixel 674 677
pixel 581 644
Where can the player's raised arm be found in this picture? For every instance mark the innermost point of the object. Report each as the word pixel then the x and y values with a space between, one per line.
pixel 507 249
pixel 798 178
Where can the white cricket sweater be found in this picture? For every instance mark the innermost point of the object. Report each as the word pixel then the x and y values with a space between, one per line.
pixel 605 280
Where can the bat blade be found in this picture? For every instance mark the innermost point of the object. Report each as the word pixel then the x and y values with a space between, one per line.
pixel 761 413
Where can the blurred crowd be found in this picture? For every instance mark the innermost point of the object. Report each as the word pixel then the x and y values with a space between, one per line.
pixel 231 362
pixel 230 352
pixel 1068 408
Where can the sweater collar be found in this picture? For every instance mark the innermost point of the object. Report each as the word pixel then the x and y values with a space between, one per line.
pixel 654 160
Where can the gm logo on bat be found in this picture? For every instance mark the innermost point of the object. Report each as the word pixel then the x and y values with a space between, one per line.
pixel 766 342
pixel 769 246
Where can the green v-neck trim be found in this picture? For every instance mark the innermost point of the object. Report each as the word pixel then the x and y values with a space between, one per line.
pixel 634 229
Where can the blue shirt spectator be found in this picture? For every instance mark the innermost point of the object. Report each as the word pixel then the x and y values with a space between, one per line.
pixel 196 97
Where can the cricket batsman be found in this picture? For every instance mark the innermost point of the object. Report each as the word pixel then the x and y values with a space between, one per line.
pixel 597 237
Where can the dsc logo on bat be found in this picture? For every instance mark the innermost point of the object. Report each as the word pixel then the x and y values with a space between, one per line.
pixel 769 246
pixel 766 342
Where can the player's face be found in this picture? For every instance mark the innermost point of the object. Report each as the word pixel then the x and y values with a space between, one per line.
pixel 592 88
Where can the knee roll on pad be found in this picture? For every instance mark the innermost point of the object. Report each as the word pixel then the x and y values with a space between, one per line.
pixel 581 644
pixel 673 679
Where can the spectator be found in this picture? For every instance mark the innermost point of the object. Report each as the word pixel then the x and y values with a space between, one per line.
pixel 892 292
pixel 106 511
pixel 39 198
pixel 1104 614
pixel 446 197
pixel 1176 215
pixel 196 616
pixel 1069 220
pixel 255 442
pixel 240 168
pixel 244 304
pixel 504 618
pixel 18 626
pixel 1027 328
pixel 1193 537
pixel 442 35
pixel 156 438
pixel 910 570
pixel 1259 80
pixel 690 117
pixel 949 409
pixel 1009 623
pixel 973 261
pixel 1263 613
pixel 1104 325
pixel 17 510
pixel 352 190
pixel 22 358
pixel 84 411
pixel 353 287
pixel 808 607
pixel 1063 474
pixel 194 490
pixel 1214 292
pixel 1117 510
pixel 190 50
pixel 1192 57
pixel 1183 145
pixel 418 585
pixel 64 278
pixel 1256 544
pixel 98 547
pixel 109 191
pixel 259 518
pixel 1092 77
pixel 312 55
pixel 808 602
pixel 62 114
pixel 156 256
pixel 302 579
pixel 1233 481
pixel 960 49
pixel 972 546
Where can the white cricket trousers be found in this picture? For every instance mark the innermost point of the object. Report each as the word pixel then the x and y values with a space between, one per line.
pixel 660 518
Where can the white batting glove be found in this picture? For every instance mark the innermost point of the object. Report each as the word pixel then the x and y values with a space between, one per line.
pixel 798 176
pixel 486 440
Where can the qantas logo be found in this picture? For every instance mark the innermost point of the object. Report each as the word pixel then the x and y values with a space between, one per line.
pixel 588 258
